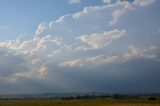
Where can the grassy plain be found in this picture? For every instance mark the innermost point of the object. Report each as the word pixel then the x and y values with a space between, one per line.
pixel 93 102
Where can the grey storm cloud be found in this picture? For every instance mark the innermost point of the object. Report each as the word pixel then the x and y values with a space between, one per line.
pixel 11 64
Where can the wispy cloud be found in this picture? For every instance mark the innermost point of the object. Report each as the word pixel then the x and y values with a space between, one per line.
pixel 125 6
pixel 74 1
pixel 130 53
pixel 107 1
pixel 5 30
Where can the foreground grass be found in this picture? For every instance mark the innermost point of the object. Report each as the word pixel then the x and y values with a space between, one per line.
pixel 94 102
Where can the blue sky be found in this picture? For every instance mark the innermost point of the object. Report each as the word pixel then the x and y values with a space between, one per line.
pixel 79 46
pixel 23 17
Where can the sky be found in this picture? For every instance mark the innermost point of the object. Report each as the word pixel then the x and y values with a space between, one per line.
pixel 62 46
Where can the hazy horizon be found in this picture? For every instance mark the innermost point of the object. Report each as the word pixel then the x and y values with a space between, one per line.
pixel 63 46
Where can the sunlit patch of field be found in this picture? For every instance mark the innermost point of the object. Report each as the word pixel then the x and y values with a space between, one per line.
pixel 95 102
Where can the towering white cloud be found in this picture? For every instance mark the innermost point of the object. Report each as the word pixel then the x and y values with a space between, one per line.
pixel 100 40
pixel 35 52
pixel 124 6
pixel 42 28
pixel 118 8
pixel 90 9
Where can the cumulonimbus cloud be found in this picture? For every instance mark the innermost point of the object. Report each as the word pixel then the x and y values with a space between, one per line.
pixel 74 40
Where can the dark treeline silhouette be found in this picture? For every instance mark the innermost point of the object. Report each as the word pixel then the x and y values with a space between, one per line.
pixel 114 96
pixel 149 97
pixel 152 98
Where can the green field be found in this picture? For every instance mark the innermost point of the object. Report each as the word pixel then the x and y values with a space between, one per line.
pixel 94 102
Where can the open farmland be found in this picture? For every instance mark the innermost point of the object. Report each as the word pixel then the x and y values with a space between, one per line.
pixel 95 102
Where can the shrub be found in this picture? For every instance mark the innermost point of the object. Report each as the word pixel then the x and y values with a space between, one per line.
pixel 152 98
